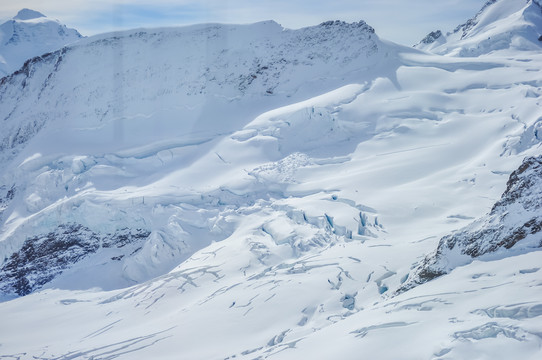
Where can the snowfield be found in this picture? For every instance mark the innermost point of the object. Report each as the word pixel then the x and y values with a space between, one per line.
pixel 253 192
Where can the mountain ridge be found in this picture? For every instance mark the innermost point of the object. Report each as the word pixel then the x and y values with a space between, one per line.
pixel 30 34
pixel 218 71
pixel 519 29
pixel 252 192
pixel 512 226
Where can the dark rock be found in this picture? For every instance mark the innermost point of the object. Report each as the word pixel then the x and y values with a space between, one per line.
pixel 431 37
pixel 338 23
pixel 43 257
pixel 466 27
pixel 513 219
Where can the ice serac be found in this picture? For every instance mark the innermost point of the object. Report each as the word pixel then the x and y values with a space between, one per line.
pixel 30 34
pixel 514 25
pixel 513 226
pixel 107 115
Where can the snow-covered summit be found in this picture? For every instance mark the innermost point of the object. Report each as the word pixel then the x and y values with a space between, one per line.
pixel 499 25
pixel 198 66
pixel 28 14
pixel 31 33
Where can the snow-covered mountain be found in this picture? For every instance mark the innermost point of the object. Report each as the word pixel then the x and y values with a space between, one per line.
pixel 511 24
pixel 513 226
pixel 249 191
pixel 150 118
pixel 30 34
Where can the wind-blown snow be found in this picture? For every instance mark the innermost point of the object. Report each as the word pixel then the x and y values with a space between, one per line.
pixel 228 191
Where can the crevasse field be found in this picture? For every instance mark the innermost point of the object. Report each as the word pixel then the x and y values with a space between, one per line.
pixel 254 192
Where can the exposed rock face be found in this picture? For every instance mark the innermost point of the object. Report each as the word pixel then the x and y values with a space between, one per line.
pixel 6 196
pixel 514 222
pixel 466 27
pixel 462 29
pixel 42 258
pixel 225 72
pixel 431 37
pixel 520 28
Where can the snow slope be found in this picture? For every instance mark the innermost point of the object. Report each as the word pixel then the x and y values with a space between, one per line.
pixel 513 226
pixel 500 25
pixel 224 201
pixel 78 140
pixel 30 34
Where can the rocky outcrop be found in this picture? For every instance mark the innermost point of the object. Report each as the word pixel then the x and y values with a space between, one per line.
pixel 513 225
pixel 43 257
pixel 6 196
pixel 431 37
pixel 467 26
pixel 519 30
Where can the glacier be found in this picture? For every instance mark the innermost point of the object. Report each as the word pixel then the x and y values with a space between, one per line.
pixel 251 192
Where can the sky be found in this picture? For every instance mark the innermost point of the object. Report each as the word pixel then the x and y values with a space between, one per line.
pixel 402 21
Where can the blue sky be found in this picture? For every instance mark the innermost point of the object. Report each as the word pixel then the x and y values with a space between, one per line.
pixel 401 21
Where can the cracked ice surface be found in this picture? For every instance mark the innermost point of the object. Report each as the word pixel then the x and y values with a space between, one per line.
pixel 281 223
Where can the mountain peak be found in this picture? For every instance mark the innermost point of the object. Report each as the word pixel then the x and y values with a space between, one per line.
pixel 28 34
pixel 28 14
pixel 500 25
